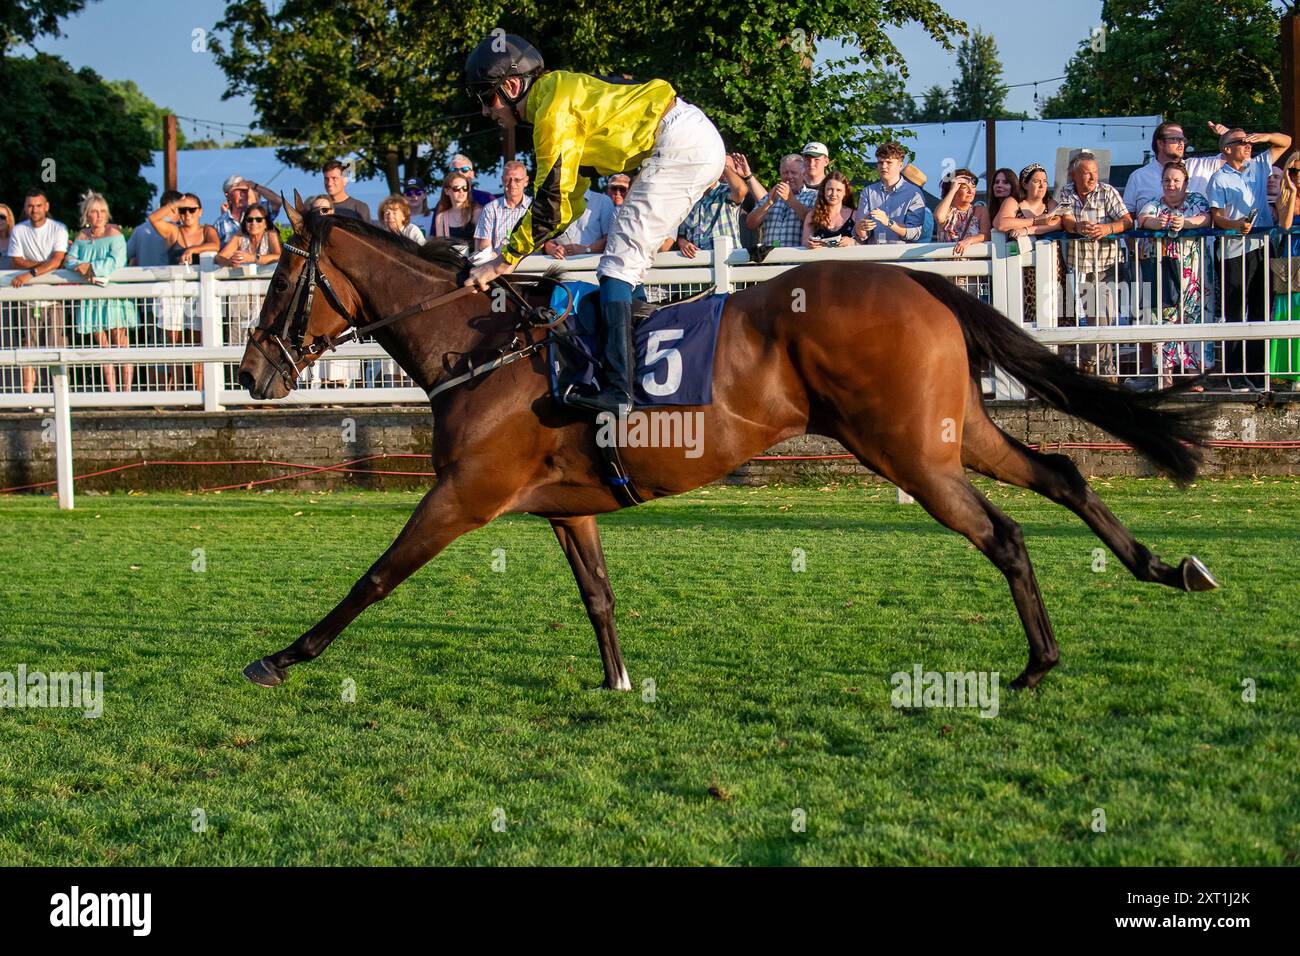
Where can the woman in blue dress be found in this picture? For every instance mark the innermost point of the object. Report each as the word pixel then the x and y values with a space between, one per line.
pixel 98 251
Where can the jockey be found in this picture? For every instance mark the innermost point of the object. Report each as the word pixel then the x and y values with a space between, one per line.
pixel 584 127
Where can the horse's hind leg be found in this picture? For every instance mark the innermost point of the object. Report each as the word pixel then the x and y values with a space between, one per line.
pixel 931 474
pixel 956 503
pixel 580 539
pixel 991 451
pixel 438 520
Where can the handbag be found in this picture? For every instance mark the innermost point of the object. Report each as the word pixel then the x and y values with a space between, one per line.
pixel 1281 274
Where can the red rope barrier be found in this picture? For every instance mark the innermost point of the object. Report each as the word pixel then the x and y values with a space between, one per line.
pixel 346 467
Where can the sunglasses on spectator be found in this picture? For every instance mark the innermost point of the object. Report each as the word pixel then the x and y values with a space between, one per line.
pixel 185 210
pixel 616 189
pixel 462 169
pixel 458 189
pixel 413 192
pixel 1172 139
pixel 255 219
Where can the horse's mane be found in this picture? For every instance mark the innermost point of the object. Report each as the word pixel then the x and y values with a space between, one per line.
pixel 438 250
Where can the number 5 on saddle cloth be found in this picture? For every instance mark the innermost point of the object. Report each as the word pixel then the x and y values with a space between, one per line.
pixel 674 348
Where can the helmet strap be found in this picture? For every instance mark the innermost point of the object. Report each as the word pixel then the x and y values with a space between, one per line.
pixel 527 82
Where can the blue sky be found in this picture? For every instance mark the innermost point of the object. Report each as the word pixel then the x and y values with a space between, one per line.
pixel 151 42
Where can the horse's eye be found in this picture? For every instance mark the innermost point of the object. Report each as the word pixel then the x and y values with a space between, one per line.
pixel 279 284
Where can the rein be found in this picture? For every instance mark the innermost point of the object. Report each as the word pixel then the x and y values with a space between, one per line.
pixel 292 329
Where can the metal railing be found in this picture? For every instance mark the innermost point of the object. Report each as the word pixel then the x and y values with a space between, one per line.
pixel 184 327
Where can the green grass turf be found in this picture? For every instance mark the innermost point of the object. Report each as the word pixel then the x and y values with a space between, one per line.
pixel 772 688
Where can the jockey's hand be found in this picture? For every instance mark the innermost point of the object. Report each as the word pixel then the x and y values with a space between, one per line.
pixel 483 275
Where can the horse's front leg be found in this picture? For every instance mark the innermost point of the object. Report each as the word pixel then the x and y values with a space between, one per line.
pixel 581 542
pixel 441 517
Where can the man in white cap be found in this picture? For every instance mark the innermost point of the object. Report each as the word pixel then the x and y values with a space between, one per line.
pixel 816 157
pixel 240 194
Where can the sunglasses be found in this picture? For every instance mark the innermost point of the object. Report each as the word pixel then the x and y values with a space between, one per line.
pixel 616 189
pixel 413 192
pixel 462 169
pixel 186 210
pixel 1172 139
pixel 255 219
pixel 515 179
pixel 458 189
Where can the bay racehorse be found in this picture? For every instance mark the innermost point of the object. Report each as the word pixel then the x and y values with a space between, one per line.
pixel 883 359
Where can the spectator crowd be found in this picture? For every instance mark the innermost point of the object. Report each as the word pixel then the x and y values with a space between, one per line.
pixel 1244 187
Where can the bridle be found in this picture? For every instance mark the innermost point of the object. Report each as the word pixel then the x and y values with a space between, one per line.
pixel 291 331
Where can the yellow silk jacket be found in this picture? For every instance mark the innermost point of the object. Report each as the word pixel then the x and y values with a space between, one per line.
pixel 582 127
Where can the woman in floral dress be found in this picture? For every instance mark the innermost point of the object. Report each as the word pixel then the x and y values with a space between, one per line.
pixel 1181 266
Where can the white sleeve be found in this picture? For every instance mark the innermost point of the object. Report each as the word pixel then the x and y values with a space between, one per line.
pixel 60 238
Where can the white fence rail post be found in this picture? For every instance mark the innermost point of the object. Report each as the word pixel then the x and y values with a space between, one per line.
pixel 213 334
pixel 62 436
pixel 1006 281
pixel 722 248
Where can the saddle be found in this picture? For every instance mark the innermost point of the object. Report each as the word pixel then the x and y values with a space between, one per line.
pixel 573 358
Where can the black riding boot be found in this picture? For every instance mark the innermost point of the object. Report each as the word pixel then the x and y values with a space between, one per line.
pixel 617 361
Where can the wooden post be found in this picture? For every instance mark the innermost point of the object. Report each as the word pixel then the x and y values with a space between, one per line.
pixel 990 157
pixel 507 144
pixel 169 152
pixel 1290 78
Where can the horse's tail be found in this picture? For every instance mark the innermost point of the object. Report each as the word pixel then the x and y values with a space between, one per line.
pixel 1169 437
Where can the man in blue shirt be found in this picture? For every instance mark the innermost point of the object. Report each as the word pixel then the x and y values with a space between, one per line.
pixel 891 210
pixel 1238 195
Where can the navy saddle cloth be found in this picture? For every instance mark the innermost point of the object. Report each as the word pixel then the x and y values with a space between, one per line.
pixel 674 348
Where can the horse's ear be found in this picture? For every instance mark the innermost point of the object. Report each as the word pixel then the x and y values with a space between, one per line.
pixel 294 212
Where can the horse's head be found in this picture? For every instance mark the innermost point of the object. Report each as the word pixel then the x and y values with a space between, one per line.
pixel 297 326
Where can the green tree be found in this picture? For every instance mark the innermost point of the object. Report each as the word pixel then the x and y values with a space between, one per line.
pixel 1191 61
pixel 22 21
pixel 890 103
pixel 978 91
pixel 379 77
pixel 68 131
pixel 146 112
pixel 936 106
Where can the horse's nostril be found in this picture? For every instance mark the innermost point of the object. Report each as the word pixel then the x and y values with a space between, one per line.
pixel 247 381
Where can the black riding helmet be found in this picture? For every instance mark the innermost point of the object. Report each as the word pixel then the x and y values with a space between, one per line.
pixel 498 57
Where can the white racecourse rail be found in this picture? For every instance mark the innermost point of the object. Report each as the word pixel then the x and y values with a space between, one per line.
pixel 190 323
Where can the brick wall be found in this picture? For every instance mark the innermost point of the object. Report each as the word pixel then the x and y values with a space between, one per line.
pixel 318 437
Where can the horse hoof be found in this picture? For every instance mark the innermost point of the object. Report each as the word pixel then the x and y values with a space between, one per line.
pixel 1030 677
pixel 1196 576
pixel 264 673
